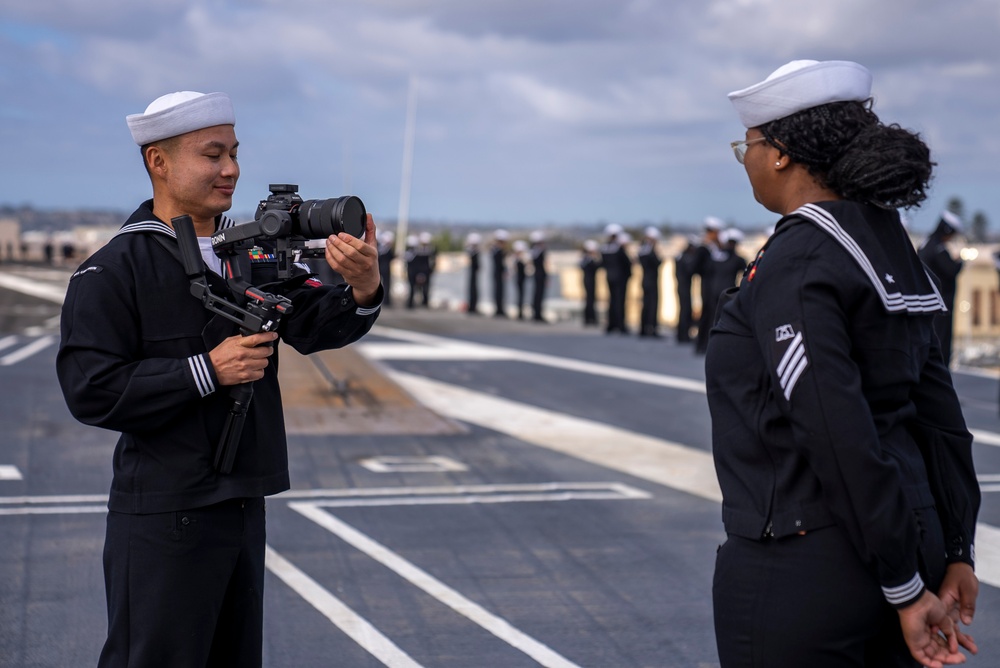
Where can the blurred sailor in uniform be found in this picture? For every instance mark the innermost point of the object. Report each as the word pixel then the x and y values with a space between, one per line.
pixel 472 243
pixel 412 268
pixel 710 257
pixel 590 262
pixel 520 274
pixel 935 254
pixel 499 255
pixel 386 254
pixel 650 261
pixel 732 268
pixel 685 265
pixel 617 270
pixel 539 275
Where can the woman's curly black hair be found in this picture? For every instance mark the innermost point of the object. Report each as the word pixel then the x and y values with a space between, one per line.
pixel 849 150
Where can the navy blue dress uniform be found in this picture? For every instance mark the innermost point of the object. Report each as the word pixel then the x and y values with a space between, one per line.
pixel 590 263
pixel 617 271
pixel 539 276
pixel 520 253
pixel 386 254
pixel 685 267
pixel 499 272
pixel 849 493
pixel 710 266
pixel 833 324
pixel 472 242
pixel 134 359
pixel 935 254
pixel 420 263
pixel 650 261
pixel 185 538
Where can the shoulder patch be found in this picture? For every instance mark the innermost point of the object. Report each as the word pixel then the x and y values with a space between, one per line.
pixel 789 350
pixel 95 269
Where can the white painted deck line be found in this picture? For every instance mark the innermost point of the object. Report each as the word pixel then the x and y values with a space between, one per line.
pixel 351 623
pixel 46 291
pixel 663 462
pixel 27 351
pixel 416 576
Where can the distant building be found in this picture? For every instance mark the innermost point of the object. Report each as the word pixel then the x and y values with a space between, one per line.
pixel 10 239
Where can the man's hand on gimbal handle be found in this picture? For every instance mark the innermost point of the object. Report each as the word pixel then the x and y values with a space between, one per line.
pixel 242 359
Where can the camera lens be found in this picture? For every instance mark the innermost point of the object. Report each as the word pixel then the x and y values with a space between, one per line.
pixel 319 218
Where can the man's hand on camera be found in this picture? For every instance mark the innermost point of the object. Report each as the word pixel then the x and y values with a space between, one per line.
pixel 357 261
pixel 241 359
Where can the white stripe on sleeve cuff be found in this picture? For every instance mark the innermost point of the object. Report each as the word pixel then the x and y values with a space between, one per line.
pixel 202 376
pixel 904 593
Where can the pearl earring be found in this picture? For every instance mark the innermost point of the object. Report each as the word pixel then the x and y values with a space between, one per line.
pixel 777 164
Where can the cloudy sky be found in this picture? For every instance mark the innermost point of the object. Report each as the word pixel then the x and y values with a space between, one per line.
pixel 528 112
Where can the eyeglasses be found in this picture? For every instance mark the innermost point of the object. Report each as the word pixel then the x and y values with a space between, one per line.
pixel 740 147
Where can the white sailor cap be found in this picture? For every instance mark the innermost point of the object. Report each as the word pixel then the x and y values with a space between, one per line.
pixel 425 237
pixel 179 113
pixel 798 85
pixel 519 246
pixel 651 233
pixel 473 238
pixel 623 238
pixel 715 224
pixel 731 234
pixel 949 219
pixel 590 245
pixel 613 229
pixel 388 236
pixel 536 236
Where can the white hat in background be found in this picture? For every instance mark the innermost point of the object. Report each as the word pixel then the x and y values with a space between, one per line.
pixel 949 219
pixel 623 238
pixel 590 245
pixel 425 237
pixel 731 234
pixel 799 85
pixel 613 229
pixel 519 246
pixel 388 236
pixel 473 239
pixel 179 113
pixel 501 235
pixel 536 236
pixel 713 223
pixel 652 233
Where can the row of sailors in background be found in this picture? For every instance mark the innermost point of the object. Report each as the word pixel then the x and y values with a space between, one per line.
pixel 420 259
pixel 713 258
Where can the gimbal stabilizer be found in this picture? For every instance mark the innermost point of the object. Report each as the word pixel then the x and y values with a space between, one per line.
pixel 262 313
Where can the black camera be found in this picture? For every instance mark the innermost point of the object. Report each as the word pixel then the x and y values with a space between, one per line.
pixel 292 223
pixel 285 214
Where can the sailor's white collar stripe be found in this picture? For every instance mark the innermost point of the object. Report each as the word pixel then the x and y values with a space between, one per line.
pixel 162 228
pixel 894 302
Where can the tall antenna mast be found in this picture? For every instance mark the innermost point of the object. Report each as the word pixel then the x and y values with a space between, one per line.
pixel 404 187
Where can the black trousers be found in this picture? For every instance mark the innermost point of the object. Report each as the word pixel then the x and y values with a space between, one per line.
pixel 810 601
pixel 185 588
